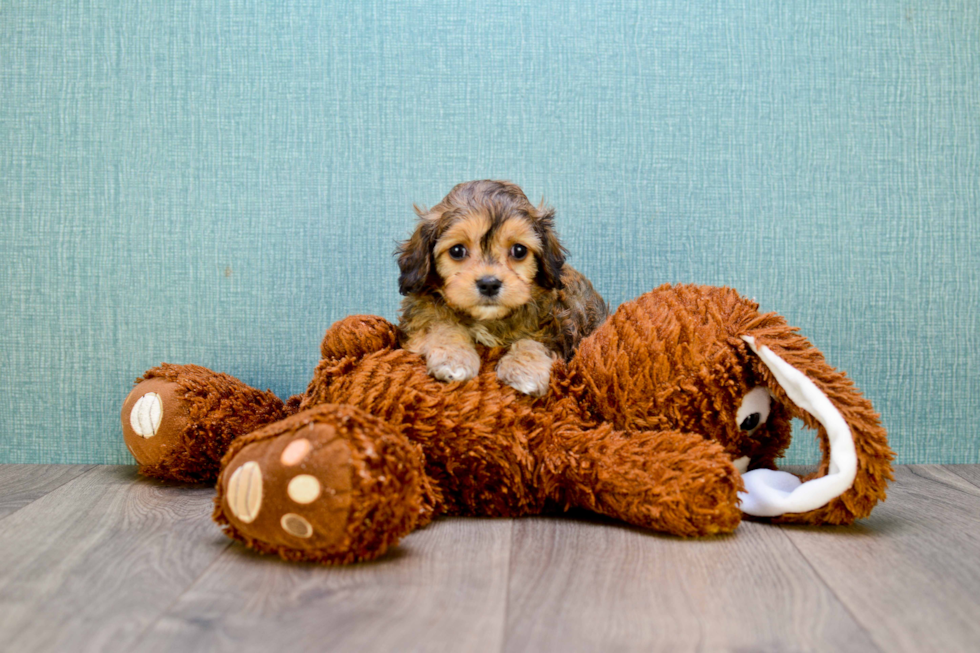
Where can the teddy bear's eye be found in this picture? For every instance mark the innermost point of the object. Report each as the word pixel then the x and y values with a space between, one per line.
pixel 754 409
pixel 518 251
pixel 457 252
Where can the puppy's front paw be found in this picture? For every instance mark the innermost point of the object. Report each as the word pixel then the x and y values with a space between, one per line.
pixel 453 363
pixel 526 367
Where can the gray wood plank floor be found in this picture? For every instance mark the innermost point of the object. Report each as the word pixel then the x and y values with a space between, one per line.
pixel 22 484
pixel 99 559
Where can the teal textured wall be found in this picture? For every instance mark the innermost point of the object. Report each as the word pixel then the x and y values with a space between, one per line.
pixel 216 182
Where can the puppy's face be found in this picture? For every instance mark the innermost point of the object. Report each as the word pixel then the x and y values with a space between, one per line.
pixel 485 249
pixel 487 269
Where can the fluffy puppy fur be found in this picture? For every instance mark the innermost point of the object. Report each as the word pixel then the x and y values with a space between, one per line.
pixel 484 266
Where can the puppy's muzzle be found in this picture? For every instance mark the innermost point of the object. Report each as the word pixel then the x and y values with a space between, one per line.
pixel 489 286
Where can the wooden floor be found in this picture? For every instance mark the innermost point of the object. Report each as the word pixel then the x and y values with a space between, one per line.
pixel 99 559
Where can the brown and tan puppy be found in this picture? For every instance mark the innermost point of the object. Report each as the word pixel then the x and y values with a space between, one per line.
pixel 485 266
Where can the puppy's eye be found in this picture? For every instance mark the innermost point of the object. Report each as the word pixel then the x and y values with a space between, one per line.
pixel 457 252
pixel 518 251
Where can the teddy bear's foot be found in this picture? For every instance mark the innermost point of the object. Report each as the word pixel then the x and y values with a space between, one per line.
pixel 179 420
pixel 293 491
pixel 331 484
pixel 154 418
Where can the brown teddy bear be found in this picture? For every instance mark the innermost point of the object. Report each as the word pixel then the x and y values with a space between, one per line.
pixel 669 417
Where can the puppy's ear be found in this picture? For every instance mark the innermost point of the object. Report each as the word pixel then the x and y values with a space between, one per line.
pixel 415 257
pixel 552 256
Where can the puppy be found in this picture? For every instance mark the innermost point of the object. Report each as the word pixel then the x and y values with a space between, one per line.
pixel 484 266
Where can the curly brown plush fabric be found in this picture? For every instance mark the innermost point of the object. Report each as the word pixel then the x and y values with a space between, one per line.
pixel 377 491
pixel 640 425
pixel 491 451
pixel 676 358
pixel 205 412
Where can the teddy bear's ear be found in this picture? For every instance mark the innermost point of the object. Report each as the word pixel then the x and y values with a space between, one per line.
pixel 856 462
pixel 415 256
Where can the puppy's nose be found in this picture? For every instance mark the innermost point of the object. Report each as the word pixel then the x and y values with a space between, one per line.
pixel 489 286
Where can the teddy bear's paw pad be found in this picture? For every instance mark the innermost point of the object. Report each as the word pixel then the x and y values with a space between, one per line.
pixel 295 525
pixel 295 452
pixel 245 492
pixel 154 416
pixel 146 414
pixel 303 489
pixel 292 491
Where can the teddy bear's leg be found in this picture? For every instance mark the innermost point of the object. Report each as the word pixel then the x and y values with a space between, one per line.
pixel 331 484
pixel 179 420
pixel 668 481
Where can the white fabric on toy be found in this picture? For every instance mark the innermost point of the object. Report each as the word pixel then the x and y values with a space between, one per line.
pixel 146 415
pixel 770 493
pixel 756 400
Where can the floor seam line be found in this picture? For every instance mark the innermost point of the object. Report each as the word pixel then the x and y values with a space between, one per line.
pixel 840 600
pixel 510 576
pixel 949 469
pixel 945 484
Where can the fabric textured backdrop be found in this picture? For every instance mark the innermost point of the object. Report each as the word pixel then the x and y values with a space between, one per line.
pixel 217 182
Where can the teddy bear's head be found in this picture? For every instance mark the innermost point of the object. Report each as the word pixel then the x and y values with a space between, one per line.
pixel 704 360
pixel 672 359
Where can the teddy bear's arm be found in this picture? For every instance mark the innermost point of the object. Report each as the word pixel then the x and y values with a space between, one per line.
pixel 668 481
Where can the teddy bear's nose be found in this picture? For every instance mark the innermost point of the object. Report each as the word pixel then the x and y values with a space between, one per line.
pixel 489 286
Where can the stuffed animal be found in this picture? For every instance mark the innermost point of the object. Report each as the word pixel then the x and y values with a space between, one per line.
pixel 670 416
